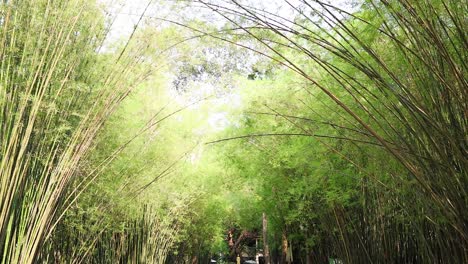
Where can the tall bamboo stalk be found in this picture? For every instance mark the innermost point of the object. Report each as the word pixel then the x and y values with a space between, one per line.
pixel 46 50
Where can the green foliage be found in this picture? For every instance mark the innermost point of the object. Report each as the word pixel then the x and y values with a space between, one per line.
pixel 152 149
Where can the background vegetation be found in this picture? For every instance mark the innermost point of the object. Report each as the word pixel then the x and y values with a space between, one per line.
pixel 344 126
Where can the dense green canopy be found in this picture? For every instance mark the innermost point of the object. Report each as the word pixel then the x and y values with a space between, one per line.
pixel 307 131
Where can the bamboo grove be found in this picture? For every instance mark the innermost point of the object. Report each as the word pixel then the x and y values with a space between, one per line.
pixel 397 71
pixel 343 127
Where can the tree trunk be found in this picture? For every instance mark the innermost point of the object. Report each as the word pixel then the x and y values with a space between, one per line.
pixel 309 257
pixel 284 248
pixel 266 250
